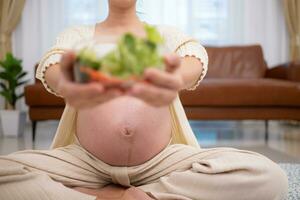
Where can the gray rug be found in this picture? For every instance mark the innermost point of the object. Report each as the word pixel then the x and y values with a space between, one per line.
pixel 293 173
pixel 275 155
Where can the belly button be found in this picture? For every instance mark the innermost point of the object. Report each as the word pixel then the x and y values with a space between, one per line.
pixel 127 132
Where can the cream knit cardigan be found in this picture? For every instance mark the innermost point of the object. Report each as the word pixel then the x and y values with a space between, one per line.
pixel 175 41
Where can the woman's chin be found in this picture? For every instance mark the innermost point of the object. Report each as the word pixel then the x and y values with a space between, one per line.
pixel 122 3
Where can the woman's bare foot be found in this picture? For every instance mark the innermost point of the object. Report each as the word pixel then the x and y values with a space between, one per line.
pixel 113 192
pixel 134 193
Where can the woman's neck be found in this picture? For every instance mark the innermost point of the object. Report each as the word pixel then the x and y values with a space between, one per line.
pixel 119 21
pixel 122 17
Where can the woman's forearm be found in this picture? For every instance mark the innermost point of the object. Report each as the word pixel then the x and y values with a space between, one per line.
pixel 190 70
pixel 52 75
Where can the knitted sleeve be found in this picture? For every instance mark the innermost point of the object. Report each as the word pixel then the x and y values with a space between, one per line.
pixel 64 41
pixel 184 45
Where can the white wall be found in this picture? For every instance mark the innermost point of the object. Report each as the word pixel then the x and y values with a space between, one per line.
pixel 41 22
pixel 264 23
pixel 250 21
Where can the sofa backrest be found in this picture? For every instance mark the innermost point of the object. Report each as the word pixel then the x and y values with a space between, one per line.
pixel 35 79
pixel 236 62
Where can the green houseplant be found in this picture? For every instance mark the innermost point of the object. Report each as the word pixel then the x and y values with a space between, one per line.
pixel 12 78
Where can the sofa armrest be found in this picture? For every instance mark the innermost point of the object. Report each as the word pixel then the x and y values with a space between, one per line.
pixel 35 79
pixel 37 95
pixel 278 72
pixel 287 71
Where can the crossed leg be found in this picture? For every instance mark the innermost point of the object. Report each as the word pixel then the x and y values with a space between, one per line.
pixel 178 172
pixel 59 174
pixel 185 173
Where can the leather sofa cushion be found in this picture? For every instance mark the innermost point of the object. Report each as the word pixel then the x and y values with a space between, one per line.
pixel 45 113
pixel 243 92
pixel 236 62
pixel 37 95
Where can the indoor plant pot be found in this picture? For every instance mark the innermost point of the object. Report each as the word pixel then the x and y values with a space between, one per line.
pixel 13 122
pixel 11 76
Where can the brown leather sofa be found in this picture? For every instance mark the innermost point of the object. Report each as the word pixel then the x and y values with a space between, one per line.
pixel 42 105
pixel 238 86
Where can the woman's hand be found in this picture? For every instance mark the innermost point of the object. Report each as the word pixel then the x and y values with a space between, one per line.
pixel 160 87
pixel 81 95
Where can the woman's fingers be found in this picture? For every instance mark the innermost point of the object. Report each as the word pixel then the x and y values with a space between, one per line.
pixel 88 95
pixel 162 89
pixel 67 63
pixel 77 90
pixel 105 97
pixel 153 95
pixel 163 79
pixel 162 86
pixel 74 92
pixel 172 62
pixel 108 95
pixel 82 95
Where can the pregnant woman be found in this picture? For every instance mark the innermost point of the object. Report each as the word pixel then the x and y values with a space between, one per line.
pixel 132 144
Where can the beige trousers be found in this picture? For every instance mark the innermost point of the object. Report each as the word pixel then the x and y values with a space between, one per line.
pixel 178 172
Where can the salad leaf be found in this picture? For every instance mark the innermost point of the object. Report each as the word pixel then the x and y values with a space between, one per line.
pixel 88 58
pixel 153 35
pixel 131 56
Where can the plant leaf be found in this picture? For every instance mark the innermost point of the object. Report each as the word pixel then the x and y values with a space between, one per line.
pixel 4 75
pixel 7 95
pixel 21 75
pixel 20 95
pixel 22 83
pixel 3 86
pixel 11 75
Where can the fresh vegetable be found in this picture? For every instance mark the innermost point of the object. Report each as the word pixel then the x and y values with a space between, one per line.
pixel 127 61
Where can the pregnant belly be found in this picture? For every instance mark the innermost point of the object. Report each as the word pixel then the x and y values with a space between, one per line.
pixel 124 131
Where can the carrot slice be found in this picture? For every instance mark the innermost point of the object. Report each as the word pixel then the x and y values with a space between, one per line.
pixel 109 81
pixel 99 76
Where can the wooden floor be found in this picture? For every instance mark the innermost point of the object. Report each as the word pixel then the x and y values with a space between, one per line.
pixel 284 141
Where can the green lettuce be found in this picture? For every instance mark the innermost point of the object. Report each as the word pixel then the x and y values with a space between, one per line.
pixel 131 56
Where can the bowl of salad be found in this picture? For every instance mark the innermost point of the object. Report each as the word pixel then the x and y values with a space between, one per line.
pixel 118 62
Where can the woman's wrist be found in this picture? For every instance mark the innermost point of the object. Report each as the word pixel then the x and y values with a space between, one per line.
pixel 52 77
pixel 191 71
